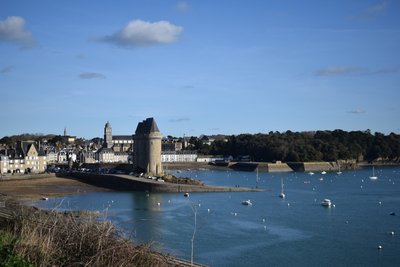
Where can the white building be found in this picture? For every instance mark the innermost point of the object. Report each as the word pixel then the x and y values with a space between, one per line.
pixel 178 156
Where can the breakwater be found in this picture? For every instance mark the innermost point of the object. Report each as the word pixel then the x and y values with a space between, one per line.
pixel 133 183
pixel 262 166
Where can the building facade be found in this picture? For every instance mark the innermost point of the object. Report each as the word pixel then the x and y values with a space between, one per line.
pixel 26 158
pixel 116 148
pixel 179 156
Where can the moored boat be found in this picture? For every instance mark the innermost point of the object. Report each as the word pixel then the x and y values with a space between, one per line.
pixel 326 202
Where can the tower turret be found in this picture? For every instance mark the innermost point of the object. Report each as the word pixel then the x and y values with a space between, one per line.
pixel 148 147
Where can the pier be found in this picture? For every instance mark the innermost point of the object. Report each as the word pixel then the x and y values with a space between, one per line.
pixel 121 182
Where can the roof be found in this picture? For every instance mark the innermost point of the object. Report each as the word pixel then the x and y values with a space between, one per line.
pixel 108 125
pixel 122 137
pixel 147 126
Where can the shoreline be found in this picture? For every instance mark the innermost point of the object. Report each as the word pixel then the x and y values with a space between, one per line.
pixel 24 188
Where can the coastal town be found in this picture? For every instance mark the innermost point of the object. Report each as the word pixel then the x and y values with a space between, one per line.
pixel 43 154
pixel 272 152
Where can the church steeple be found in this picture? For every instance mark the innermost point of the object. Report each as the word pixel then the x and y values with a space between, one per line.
pixel 65 131
pixel 108 143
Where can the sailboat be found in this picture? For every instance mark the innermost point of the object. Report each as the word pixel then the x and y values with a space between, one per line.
pixel 373 177
pixel 282 195
pixel 339 172
pixel 257 178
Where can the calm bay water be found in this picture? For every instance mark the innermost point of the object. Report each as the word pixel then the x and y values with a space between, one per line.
pixel 296 231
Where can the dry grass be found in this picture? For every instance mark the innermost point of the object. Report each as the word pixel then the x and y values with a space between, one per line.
pixel 64 239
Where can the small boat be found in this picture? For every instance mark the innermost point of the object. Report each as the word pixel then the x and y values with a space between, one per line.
pixel 326 202
pixel 247 202
pixel 373 177
pixel 311 173
pixel 324 172
pixel 282 195
pixel 186 195
pixel 45 198
pixel 339 172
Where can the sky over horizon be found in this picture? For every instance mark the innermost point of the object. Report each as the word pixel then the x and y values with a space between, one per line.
pixel 199 67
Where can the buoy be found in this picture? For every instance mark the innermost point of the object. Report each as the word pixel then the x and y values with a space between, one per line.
pixel 263 220
pixel 380 202
pixel 208 210
pixel 288 204
pixel 380 247
pixel 392 233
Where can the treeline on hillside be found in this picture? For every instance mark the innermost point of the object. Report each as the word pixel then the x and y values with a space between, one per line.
pixel 310 146
pixel 11 140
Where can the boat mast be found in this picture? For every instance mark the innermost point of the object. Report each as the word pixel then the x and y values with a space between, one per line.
pixel 257 178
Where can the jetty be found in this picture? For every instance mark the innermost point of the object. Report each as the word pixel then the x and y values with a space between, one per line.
pixel 122 182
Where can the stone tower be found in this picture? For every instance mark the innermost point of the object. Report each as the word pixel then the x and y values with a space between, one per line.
pixel 108 143
pixel 147 151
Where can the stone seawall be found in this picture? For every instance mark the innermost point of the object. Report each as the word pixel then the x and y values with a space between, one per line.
pixel 132 183
pixel 313 166
pixel 262 166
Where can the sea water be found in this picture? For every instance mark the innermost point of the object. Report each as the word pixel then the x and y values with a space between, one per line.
pixel 295 231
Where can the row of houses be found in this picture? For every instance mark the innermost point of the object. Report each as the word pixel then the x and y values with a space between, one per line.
pixel 33 157
pixel 25 158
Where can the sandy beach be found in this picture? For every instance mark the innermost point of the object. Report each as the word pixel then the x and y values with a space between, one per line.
pixel 46 186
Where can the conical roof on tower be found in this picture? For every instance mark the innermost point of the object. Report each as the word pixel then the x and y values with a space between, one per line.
pixel 147 126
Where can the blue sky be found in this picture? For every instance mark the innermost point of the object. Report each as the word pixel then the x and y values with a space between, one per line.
pixel 199 67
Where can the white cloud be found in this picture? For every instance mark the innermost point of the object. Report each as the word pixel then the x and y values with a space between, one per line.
pixel 91 75
pixel 372 11
pixel 332 71
pixel 180 119
pixel 142 33
pixel 356 111
pixel 339 71
pixel 12 30
pixel 183 7
pixel 387 70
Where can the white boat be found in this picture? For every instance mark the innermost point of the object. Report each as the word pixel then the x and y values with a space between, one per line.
pixel 324 172
pixel 326 202
pixel 339 172
pixel 282 195
pixel 373 177
pixel 186 195
pixel 247 202
pixel 311 173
